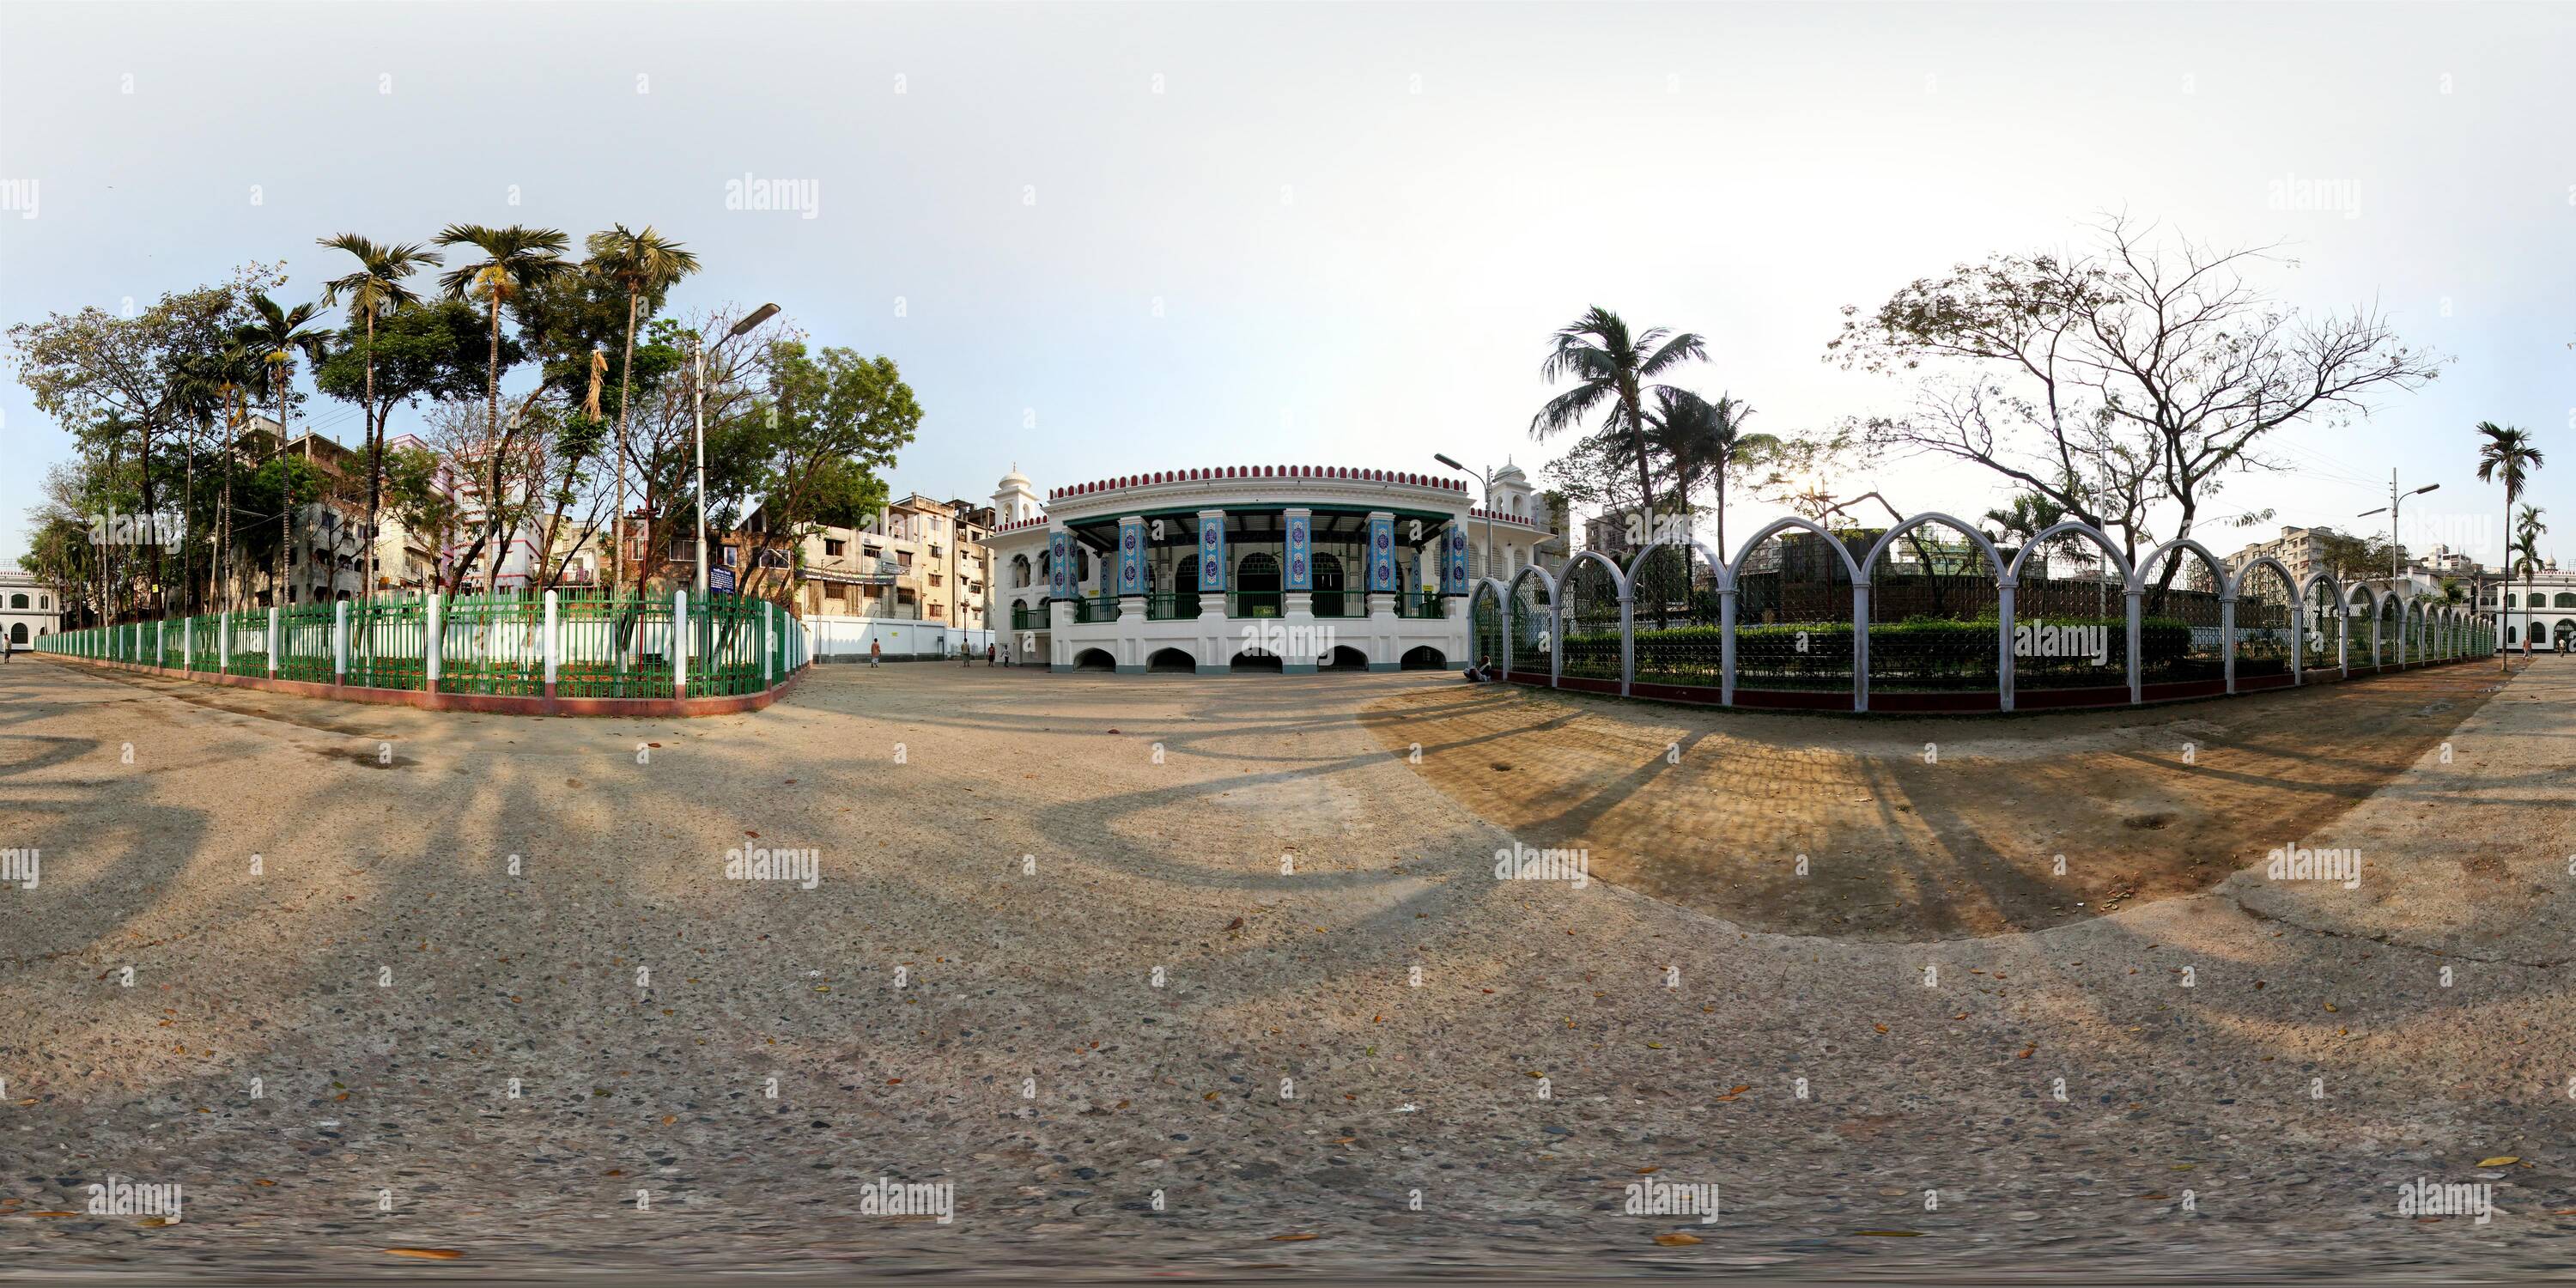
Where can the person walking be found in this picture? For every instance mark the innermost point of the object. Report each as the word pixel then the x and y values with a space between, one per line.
pixel 991 651
pixel 876 654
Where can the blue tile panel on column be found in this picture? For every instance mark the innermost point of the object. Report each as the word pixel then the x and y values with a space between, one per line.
pixel 1453 569
pixel 1301 534
pixel 1212 553
pixel 1131 556
pixel 1381 552
pixel 1059 565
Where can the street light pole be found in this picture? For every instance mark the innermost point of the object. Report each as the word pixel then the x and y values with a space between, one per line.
pixel 2396 557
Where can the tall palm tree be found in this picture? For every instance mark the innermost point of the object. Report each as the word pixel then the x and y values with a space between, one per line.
pixel 275 336
pixel 2527 533
pixel 645 263
pixel 515 259
pixel 2507 456
pixel 1704 440
pixel 374 290
pixel 1613 370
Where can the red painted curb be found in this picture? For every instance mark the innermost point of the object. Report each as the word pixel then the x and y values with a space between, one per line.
pixel 485 703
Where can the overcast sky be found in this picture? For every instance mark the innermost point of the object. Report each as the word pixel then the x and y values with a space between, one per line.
pixel 1138 237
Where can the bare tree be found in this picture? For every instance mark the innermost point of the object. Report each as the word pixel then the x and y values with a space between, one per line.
pixel 2134 376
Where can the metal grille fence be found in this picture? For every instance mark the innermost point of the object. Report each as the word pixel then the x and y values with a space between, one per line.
pixel 510 644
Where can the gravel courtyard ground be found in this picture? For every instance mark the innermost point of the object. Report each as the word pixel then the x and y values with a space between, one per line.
pixel 1077 941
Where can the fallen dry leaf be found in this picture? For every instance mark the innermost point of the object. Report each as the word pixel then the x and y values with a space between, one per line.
pixel 2500 1160
pixel 1677 1239
pixel 425 1254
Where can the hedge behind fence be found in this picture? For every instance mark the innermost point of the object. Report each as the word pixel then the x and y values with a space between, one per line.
pixel 1920 653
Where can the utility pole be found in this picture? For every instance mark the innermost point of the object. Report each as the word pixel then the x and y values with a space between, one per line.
pixel 2396 556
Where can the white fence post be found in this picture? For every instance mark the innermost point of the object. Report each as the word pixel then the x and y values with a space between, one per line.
pixel 1627 638
pixel 340 642
pixel 2227 639
pixel 2004 642
pixel 2343 638
pixel 1726 644
pixel 2299 640
pixel 430 649
pixel 2137 633
pixel 224 641
pixel 188 645
pixel 1860 646
pixel 553 642
pixel 679 643
pixel 273 611
pixel 768 639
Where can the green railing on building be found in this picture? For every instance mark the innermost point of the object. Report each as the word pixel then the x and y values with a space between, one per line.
pixel 1422 604
pixel 1101 608
pixel 1253 603
pixel 1030 617
pixel 629 647
pixel 1168 606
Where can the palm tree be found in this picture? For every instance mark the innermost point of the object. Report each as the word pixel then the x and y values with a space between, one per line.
pixel 515 258
pixel 275 337
pixel 374 290
pixel 2508 456
pixel 1704 440
pixel 2527 532
pixel 1614 370
pixel 644 263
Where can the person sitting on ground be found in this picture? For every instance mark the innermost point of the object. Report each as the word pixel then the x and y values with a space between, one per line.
pixel 1482 672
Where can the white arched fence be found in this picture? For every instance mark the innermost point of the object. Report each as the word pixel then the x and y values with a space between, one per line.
pixel 1523 623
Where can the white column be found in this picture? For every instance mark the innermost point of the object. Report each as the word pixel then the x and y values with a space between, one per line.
pixel 1860 646
pixel 273 640
pixel 2227 639
pixel 679 643
pixel 1726 646
pixel 188 645
pixel 2137 677
pixel 554 640
pixel 768 640
pixel 430 648
pixel 340 642
pixel 224 641
pixel 2004 587
pixel 1627 639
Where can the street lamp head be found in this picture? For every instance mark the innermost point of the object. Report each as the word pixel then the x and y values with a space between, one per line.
pixel 757 316
pixel 1450 463
pixel 2429 487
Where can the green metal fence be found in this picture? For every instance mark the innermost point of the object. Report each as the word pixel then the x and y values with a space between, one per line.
pixel 634 646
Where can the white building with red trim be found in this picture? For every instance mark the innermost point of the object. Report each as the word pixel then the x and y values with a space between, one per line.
pixel 1282 568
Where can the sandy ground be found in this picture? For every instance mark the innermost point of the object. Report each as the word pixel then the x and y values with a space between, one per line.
pixel 1007 865
pixel 1909 829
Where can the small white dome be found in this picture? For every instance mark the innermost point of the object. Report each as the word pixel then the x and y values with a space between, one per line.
pixel 1013 479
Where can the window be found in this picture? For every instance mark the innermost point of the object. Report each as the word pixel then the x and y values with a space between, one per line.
pixel 834 547
pixel 903 558
pixel 17 601
pixel 934 579
pixel 2566 600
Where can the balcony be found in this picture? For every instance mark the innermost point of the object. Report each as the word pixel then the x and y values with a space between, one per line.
pixel 1419 604
pixel 1030 617
pixel 1102 608
pixel 1253 603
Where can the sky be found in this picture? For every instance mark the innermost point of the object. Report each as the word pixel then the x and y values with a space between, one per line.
pixel 1105 239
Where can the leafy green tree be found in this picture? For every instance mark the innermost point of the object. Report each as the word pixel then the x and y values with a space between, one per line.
pixel 646 265
pixel 422 350
pixel 375 290
pixel 2506 455
pixel 515 259
pixel 839 419
pixel 277 334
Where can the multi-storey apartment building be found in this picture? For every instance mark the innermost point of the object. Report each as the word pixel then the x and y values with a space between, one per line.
pixel 919 560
